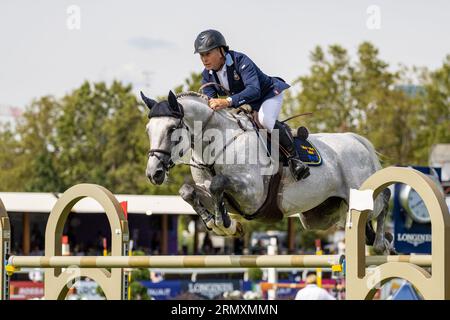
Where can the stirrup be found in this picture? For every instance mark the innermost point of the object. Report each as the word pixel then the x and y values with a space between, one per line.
pixel 302 173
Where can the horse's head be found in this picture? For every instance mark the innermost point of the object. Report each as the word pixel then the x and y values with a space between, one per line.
pixel 165 117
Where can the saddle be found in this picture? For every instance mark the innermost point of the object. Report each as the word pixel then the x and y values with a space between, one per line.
pixel 270 211
pixel 308 153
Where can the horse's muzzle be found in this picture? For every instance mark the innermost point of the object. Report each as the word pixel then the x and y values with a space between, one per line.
pixel 157 177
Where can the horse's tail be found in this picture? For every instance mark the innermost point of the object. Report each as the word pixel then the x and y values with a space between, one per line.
pixel 369 146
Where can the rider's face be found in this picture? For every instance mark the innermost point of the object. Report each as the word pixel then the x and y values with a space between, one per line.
pixel 213 59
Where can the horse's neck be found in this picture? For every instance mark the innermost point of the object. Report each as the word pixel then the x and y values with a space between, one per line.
pixel 197 113
pixel 199 118
pixel 227 125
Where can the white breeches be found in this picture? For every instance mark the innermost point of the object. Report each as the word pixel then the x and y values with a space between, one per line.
pixel 269 111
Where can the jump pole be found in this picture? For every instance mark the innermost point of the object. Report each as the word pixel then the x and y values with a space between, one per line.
pixel 220 261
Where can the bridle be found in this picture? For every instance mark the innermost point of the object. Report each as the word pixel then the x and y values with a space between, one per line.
pixel 168 162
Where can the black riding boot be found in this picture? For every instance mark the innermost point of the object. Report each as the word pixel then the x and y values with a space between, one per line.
pixel 298 169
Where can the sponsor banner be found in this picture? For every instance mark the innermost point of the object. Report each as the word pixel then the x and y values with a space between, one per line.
pixel 162 290
pixel 415 239
pixel 207 289
pixel 409 235
pixel 211 289
pixel 26 290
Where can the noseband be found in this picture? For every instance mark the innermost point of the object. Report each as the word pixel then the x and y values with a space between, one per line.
pixel 167 163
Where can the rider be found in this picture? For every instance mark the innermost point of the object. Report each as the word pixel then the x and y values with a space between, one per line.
pixel 245 83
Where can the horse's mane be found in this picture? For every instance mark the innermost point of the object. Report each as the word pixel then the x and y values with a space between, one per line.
pixel 204 99
pixel 189 94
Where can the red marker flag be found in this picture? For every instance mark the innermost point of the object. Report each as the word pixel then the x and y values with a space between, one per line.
pixel 124 205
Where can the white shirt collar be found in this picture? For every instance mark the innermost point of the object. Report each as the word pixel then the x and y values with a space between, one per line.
pixel 224 69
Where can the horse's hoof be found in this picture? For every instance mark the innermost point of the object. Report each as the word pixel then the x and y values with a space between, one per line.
pixel 389 237
pixel 393 252
pixel 382 247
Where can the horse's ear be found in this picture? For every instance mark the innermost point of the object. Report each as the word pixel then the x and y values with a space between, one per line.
pixel 148 102
pixel 173 103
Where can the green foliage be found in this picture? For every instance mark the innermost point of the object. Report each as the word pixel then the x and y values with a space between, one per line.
pixel 255 274
pixel 9 159
pixel 367 98
pixel 307 239
pixel 434 120
pixel 138 291
pixel 192 83
pixel 95 134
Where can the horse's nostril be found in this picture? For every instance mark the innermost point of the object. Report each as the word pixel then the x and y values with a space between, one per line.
pixel 159 173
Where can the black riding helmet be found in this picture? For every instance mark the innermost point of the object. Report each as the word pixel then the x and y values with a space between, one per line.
pixel 208 40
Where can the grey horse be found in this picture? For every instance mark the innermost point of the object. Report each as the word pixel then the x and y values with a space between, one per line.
pixel 321 200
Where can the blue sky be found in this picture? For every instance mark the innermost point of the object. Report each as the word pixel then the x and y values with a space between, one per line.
pixel 150 43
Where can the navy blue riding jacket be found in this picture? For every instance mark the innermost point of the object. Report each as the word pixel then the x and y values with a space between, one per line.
pixel 248 84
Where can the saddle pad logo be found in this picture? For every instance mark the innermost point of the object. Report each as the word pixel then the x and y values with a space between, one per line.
pixel 308 152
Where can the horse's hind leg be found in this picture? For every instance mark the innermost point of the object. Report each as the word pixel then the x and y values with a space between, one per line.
pixel 383 241
pixel 370 234
pixel 191 194
pixel 231 227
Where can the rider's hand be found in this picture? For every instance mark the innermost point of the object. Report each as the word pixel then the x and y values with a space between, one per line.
pixel 217 104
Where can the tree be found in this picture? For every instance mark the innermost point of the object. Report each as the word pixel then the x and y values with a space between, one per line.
pixel 100 138
pixel 95 134
pixel 434 122
pixel 9 154
pixel 30 165
pixel 367 98
pixel 192 83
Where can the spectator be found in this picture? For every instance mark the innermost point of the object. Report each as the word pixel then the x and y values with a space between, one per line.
pixel 259 247
pixel 311 291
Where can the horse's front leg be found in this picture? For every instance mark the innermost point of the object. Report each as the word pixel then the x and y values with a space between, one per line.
pixel 192 195
pixel 228 225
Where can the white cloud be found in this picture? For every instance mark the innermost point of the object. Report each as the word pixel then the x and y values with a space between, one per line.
pixel 146 43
